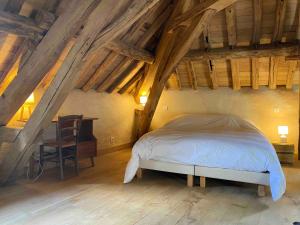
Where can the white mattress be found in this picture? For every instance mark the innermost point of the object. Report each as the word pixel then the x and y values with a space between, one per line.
pixel 219 141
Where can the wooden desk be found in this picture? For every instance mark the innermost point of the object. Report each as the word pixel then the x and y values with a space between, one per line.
pixel 87 146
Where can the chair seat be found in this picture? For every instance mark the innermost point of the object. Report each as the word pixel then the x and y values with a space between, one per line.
pixel 54 143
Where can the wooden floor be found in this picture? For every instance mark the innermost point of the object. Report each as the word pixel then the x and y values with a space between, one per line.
pixel 98 196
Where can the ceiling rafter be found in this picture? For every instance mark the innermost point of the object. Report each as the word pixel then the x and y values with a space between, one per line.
pixel 117 73
pixel 131 51
pixel 279 20
pixel 102 71
pixel 131 82
pixel 20 25
pixel 266 50
pixel 131 71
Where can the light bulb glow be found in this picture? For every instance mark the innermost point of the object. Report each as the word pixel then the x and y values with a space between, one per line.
pixel 143 99
pixel 283 130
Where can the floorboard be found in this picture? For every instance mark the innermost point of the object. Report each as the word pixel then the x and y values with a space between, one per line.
pixel 98 196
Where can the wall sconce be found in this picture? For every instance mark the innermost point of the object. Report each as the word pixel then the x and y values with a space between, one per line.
pixel 27 105
pixel 283 131
pixel 143 99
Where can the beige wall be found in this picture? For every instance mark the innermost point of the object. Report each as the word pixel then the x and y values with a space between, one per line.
pixel 265 108
pixel 115 113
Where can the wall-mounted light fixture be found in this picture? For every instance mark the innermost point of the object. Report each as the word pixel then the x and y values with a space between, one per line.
pixel 283 131
pixel 143 99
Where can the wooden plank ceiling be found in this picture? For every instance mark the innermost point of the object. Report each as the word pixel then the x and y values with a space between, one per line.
pixel 244 45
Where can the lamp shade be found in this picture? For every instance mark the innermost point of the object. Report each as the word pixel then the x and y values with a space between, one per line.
pixel 283 130
pixel 143 99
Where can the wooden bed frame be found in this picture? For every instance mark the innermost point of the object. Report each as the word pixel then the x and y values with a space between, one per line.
pixel 261 179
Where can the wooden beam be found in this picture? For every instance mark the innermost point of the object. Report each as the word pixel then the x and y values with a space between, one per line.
pixel 134 79
pixel 14 6
pixel 279 23
pixel 20 26
pixel 65 80
pixel 132 70
pixel 298 29
pixel 235 72
pixel 292 57
pixel 231 25
pixel 232 38
pixel 273 72
pixel 8 134
pixel 137 90
pixel 255 73
pixel 266 50
pixel 178 79
pixel 197 10
pixel 257 18
pixel 168 59
pixel 191 74
pixel 123 22
pixel 44 57
pixel 212 75
pixel 114 75
pixel 131 51
pixel 11 63
pixel 291 72
pixel 99 76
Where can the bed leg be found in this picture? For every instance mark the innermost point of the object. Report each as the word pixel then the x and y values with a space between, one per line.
pixel 202 182
pixel 190 180
pixel 261 191
pixel 139 173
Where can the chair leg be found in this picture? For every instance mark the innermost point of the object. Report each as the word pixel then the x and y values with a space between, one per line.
pixel 76 162
pixel 92 161
pixel 61 166
pixel 41 158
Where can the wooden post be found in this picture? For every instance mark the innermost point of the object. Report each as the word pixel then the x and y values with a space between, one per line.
pixel 202 182
pixel 261 190
pixel 190 180
pixel 139 173
pixel 255 73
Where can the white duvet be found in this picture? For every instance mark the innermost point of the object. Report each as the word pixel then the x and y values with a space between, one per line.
pixel 220 141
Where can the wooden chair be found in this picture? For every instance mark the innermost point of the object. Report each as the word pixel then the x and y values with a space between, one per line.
pixel 65 145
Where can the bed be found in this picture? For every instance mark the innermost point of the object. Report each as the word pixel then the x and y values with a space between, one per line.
pixel 212 145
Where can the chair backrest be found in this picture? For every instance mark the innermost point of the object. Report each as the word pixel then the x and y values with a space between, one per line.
pixel 68 128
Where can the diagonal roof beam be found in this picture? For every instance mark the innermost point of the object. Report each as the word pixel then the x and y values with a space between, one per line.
pixel 171 49
pixel 99 77
pixel 66 78
pixel 44 57
pixel 198 10
pixel 20 25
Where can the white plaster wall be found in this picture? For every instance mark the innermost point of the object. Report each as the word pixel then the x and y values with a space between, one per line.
pixel 265 108
pixel 115 113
